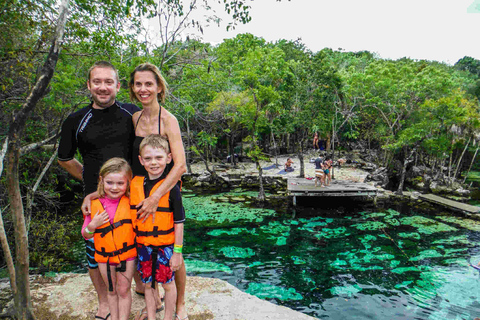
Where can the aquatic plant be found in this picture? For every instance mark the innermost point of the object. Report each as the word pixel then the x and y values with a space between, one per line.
pixel 370 225
pixel 237 252
pixel 298 260
pixel 413 235
pixel 206 266
pixel 230 232
pixel 426 254
pixel 426 225
pixel 349 290
pixel 470 224
pixel 205 208
pixel 281 241
pixel 332 233
pixel 268 291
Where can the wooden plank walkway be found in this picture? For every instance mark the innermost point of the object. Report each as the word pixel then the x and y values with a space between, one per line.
pixel 301 187
pixel 450 203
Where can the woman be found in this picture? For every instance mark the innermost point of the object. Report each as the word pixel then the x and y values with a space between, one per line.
pixel 315 141
pixel 148 87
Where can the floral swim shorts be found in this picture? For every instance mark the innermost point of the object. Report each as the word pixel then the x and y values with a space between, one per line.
pixel 163 273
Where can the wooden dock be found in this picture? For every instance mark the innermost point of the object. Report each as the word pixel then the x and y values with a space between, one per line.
pixel 301 187
pixel 450 203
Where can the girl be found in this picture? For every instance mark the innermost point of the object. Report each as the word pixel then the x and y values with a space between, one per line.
pixel 111 226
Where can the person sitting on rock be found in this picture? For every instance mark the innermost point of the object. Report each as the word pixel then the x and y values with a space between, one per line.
pixel 288 165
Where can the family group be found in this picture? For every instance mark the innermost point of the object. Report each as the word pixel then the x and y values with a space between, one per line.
pixel 133 160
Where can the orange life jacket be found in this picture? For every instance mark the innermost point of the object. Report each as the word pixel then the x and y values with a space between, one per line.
pixel 115 242
pixel 161 232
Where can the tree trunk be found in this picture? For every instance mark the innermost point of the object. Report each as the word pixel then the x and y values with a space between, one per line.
pixel 261 191
pixel 302 166
pixel 3 152
pixel 461 157
pixel 232 150
pixel 407 160
pixel 450 165
pixel 275 149
pixel 7 255
pixel 23 303
pixel 471 164
pixel 3 235
pixel 288 142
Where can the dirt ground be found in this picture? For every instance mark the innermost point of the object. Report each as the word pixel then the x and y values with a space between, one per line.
pixel 346 172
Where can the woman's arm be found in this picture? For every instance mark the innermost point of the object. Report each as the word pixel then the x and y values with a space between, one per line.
pixel 174 136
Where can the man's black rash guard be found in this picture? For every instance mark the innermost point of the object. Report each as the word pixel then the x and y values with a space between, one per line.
pixel 99 135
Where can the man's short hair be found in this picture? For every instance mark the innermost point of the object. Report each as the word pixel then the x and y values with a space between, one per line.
pixel 102 64
pixel 155 141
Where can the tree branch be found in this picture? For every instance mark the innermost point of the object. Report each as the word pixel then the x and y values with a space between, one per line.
pixel 3 152
pixel 31 192
pixel 30 147
pixel 7 254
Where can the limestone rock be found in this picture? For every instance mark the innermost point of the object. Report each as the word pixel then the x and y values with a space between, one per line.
pixel 71 296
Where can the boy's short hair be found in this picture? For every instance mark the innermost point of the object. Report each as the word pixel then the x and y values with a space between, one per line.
pixel 155 141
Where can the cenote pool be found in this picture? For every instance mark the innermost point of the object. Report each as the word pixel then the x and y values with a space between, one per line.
pixel 337 262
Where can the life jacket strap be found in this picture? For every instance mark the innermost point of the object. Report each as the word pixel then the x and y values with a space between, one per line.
pixel 154 266
pixel 159 209
pixel 109 277
pixel 121 268
pixel 118 252
pixel 104 231
pixel 154 233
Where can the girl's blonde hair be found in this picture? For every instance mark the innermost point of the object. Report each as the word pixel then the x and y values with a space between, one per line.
pixel 158 77
pixel 114 165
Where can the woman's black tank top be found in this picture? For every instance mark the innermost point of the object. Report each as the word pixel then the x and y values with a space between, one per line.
pixel 137 168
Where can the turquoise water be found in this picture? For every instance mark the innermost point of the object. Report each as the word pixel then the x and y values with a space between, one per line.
pixel 338 262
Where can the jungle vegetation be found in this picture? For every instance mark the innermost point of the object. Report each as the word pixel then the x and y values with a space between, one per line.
pixel 243 95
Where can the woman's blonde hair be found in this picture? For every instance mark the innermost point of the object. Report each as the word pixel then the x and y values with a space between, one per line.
pixel 158 77
pixel 114 165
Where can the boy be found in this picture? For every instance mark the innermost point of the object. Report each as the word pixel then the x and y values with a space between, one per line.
pixel 159 238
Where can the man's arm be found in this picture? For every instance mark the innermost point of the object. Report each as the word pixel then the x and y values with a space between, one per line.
pixel 74 167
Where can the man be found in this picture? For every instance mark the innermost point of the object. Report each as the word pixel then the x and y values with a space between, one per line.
pixel 319 174
pixel 101 131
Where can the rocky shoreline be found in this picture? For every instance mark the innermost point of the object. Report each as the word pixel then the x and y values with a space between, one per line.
pixel 360 167
pixel 70 296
